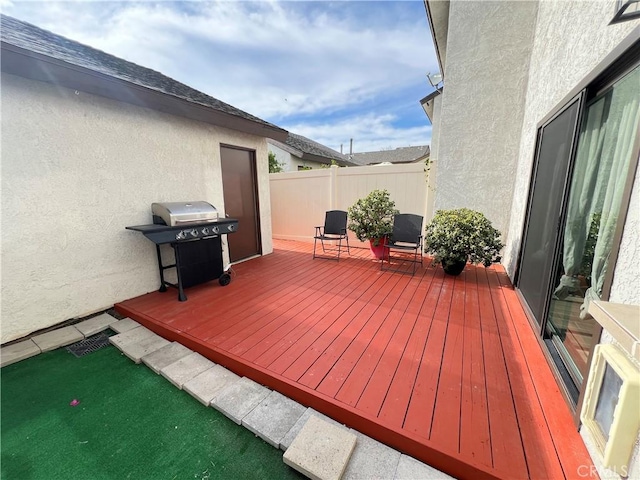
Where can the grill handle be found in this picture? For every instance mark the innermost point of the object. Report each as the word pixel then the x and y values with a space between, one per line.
pixel 191 220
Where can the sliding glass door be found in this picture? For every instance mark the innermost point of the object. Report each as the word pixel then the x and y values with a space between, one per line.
pixel 555 146
pixel 574 207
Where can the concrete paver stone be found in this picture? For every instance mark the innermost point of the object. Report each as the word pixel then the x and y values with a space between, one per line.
pixel 123 325
pixel 95 325
pixel 166 355
pixel 205 387
pixel 238 399
pixel 410 469
pixel 186 368
pixel 321 450
pixel 18 351
pixel 293 432
pixel 129 337
pixel 136 350
pixel 273 418
pixel 58 338
pixel 371 459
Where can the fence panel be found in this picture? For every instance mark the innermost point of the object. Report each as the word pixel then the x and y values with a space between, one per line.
pixel 300 199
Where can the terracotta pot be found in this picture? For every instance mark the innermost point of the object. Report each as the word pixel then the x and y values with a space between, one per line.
pixel 378 251
pixel 455 268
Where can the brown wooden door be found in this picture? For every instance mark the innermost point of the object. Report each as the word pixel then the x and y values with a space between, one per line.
pixel 241 201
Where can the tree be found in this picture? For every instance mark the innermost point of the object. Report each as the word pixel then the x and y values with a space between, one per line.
pixel 327 165
pixel 274 165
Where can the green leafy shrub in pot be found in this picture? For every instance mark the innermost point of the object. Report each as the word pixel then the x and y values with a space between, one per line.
pixel 371 217
pixel 454 237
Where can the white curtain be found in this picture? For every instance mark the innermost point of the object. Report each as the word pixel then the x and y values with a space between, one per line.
pixel 581 202
pixel 602 161
pixel 622 129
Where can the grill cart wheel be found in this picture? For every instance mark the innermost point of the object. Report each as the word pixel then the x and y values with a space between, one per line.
pixel 225 279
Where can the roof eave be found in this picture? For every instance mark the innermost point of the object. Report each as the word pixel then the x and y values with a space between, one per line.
pixel 427 104
pixel 440 49
pixel 35 66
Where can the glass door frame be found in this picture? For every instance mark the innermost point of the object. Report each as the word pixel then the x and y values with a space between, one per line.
pixel 621 61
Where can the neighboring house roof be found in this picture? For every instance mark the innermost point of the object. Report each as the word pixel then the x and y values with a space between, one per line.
pixel 398 155
pixel 316 152
pixel 286 148
pixel 32 52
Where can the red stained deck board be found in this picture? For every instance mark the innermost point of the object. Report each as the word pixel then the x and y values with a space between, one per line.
pixel 400 340
pixel 328 313
pixel 475 439
pixel 542 460
pixel 506 442
pixel 570 450
pixel 445 424
pixel 264 296
pixel 320 362
pixel 422 402
pixel 293 328
pixel 277 337
pixel 292 342
pixel 378 386
pixel 394 408
pixel 389 316
pixel 303 364
pixel 286 302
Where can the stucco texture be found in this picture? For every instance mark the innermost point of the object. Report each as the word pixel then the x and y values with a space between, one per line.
pixel 77 169
pixel 571 39
pixel 486 71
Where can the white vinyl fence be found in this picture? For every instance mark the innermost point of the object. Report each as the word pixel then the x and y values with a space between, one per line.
pixel 300 199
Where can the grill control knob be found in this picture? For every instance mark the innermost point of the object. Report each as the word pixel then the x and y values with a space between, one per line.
pixel 231 228
pixel 205 231
pixel 194 233
pixel 180 235
pixel 215 229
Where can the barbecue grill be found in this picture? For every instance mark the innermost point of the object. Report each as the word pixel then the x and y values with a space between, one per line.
pixel 193 229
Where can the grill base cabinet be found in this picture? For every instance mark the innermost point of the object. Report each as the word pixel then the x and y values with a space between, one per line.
pixel 200 261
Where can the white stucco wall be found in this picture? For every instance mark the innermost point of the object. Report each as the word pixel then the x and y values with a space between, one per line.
pixel 77 169
pixel 433 159
pixel 486 71
pixel 571 39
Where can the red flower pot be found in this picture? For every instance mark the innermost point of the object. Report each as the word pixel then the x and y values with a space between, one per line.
pixel 378 250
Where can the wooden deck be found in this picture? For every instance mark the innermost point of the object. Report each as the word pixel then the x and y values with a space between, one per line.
pixel 445 369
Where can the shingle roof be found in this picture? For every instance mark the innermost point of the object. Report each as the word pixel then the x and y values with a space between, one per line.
pixel 398 155
pixel 34 39
pixel 315 149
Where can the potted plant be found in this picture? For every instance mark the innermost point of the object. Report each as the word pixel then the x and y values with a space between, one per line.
pixel 371 218
pixel 456 236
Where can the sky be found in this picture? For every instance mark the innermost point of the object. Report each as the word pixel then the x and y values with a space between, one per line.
pixel 330 71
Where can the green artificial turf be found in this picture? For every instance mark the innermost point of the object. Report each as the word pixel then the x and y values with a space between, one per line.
pixel 130 423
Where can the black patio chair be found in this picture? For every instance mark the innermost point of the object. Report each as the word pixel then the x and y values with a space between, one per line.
pixel 333 230
pixel 405 239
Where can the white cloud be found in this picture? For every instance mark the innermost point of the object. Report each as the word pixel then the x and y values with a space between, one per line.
pixel 369 132
pixel 274 60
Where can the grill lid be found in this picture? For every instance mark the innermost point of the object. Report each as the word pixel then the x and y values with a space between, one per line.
pixel 179 213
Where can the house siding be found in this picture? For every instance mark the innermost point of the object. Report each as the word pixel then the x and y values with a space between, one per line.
pixel 77 169
pixel 486 72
